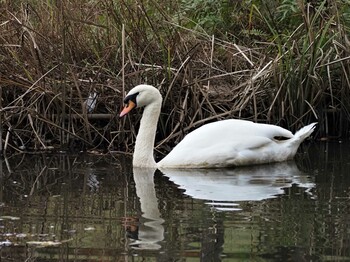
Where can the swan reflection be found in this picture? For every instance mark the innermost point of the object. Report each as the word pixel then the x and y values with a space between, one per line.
pixel 150 230
pixel 223 188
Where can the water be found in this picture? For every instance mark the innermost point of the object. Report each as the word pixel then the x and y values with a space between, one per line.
pixel 97 208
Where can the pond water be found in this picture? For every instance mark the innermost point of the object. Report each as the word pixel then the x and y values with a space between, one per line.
pixel 97 208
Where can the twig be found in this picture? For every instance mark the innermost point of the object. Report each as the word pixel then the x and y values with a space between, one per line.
pixel 211 59
pixel 175 77
pixel 37 179
pixel 243 54
pixel 123 61
pixel 32 125
pixel 31 88
pixel 7 139
pixel 312 109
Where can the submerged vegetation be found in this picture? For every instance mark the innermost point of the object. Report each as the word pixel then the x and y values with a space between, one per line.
pixel 282 62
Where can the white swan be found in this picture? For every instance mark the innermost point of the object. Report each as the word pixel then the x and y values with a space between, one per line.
pixel 223 143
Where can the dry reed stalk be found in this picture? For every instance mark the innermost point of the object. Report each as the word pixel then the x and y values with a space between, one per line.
pixel 37 180
pixel 7 140
pixel 1 120
pixel 211 59
pixel 288 76
pixel 123 60
pixel 177 125
pixel 63 73
pixel 35 132
pixel 87 133
pixel 169 88
pixel 54 125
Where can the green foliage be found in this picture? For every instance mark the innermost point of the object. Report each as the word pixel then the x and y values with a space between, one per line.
pixel 214 17
pixel 288 12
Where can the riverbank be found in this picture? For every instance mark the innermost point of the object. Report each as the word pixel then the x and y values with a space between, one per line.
pixel 284 64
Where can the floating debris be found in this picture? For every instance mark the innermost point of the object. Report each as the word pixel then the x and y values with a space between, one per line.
pixel 93 182
pixel 44 243
pixel 9 218
pixel 89 228
pixel 5 243
pixel 90 103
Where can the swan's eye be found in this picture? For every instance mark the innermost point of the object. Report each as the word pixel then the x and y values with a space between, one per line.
pixel 132 98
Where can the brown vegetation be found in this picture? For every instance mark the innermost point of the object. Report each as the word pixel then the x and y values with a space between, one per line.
pixel 263 63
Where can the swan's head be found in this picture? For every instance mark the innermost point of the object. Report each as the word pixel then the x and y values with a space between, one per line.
pixel 140 96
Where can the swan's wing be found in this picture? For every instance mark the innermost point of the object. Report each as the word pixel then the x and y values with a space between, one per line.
pixel 245 128
pixel 231 129
pixel 226 143
pixel 233 133
pixel 221 153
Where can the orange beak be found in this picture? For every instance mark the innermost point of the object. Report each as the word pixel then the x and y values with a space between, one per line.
pixel 127 108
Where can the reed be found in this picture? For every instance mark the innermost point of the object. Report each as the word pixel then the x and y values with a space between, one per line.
pixel 283 63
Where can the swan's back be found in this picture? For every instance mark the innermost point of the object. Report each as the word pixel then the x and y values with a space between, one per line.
pixel 231 143
pixel 222 131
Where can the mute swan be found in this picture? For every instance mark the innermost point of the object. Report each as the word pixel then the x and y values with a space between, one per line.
pixel 223 143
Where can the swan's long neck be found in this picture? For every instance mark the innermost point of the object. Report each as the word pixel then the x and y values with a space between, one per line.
pixel 144 146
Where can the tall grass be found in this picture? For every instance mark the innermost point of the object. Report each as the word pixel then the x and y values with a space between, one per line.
pixel 282 63
pixel 310 61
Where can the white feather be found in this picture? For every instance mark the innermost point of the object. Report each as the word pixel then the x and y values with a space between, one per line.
pixel 220 144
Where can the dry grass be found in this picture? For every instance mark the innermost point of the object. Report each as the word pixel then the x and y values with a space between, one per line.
pixel 53 56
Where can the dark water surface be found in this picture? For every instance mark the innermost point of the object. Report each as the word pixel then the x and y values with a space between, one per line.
pixel 97 208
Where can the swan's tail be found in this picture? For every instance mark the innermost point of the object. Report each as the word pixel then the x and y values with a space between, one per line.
pixel 304 132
